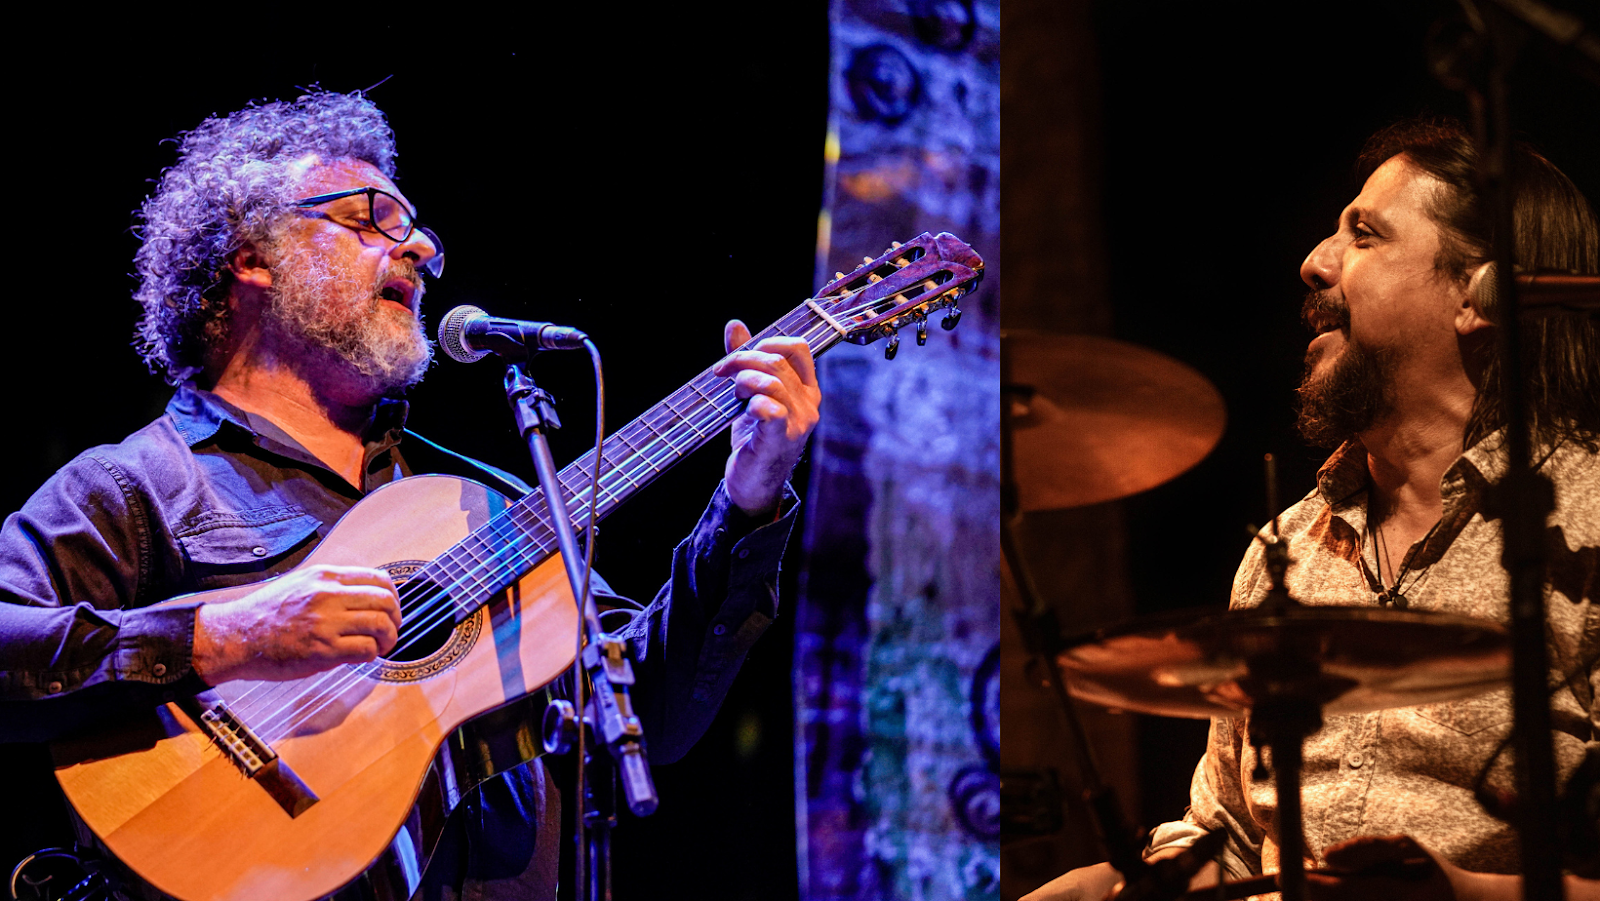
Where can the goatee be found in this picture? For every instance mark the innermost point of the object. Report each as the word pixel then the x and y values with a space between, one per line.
pixel 1356 393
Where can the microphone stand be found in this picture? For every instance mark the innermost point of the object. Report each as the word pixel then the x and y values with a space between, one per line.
pixel 605 662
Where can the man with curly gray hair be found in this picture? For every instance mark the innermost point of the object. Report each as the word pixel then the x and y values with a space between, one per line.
pixel 281 277
pixel 234 178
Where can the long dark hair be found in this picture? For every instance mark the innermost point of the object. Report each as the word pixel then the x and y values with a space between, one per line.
pixel 1555 228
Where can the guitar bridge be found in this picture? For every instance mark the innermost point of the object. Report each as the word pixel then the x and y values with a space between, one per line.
pixel 250 753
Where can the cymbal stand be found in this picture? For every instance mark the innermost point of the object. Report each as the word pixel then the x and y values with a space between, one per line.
pixel 1041 632
pixel 1290 710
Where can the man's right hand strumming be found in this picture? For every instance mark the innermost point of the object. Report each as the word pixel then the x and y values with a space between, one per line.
pixel 308 621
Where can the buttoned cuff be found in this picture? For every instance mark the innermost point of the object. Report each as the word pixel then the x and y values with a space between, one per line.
pixel 156 644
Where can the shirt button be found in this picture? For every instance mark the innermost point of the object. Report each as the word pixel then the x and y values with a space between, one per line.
pixel 54 687
pixel 1356 760
pixel 159 669
pixel 718 629
pixel 259 551
pixel 744 553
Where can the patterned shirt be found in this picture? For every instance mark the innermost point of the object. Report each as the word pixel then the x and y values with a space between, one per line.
pixel 1412 770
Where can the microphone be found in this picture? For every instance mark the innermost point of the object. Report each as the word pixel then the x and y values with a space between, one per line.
pixel 1537 290
pixel 468 334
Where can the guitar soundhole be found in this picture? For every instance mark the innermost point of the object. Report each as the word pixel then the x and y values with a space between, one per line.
pixel 426 644
pixel 430 639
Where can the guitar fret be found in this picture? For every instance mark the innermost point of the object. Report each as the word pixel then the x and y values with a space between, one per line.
pixel 664 438
pixel 696 389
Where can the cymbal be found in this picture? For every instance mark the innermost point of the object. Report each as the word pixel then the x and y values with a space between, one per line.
pixel 1345 659
pixel 1098 419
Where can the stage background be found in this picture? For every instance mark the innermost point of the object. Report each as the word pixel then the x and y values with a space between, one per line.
pixel 1167 166
pixel 897 634
pixel 642 174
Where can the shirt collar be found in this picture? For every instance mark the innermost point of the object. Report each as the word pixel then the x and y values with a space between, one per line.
pixel 1344 474
pixel 1463 487
pixel 199 415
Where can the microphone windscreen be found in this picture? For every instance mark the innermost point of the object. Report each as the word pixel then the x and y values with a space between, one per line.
pixel 452 335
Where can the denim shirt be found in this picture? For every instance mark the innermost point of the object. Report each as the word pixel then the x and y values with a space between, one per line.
pixel 209 496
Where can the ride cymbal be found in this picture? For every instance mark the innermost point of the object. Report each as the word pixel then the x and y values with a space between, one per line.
pixel 1343 659
pixel 1094 419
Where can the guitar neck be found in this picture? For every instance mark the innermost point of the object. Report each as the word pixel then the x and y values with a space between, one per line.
pixel 522 537
pixel 881 296
pixel 637 453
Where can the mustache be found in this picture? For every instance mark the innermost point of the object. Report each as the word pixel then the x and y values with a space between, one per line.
pixel 1320 306
pixel 404 269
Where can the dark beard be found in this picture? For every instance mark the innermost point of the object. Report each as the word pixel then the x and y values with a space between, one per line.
pixel 1354 395
pixel 1349 399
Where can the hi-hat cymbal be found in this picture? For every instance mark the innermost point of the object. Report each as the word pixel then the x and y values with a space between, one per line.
pixel 1345 659
pixel 1095 419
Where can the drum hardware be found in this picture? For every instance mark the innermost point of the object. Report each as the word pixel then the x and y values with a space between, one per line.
pixel 1087 420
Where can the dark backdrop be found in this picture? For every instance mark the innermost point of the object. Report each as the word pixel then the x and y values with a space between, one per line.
pixel 1229 133
pixel 643 175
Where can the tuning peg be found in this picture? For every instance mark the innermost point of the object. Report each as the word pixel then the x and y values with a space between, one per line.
pixel 866 260
pixel 950 320
pixel 838 275
pixel 922 332
pixel 874 277
pixel 893 346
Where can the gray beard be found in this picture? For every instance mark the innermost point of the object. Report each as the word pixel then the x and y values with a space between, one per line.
pixel 1355 394
pixel 332 317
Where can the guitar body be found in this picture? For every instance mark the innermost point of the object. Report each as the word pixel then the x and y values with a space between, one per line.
pixel 367 741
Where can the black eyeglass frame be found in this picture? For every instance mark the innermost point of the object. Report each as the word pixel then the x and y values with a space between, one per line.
pixel 434 266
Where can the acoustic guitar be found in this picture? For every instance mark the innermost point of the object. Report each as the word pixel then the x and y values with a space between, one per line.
pixel 295 790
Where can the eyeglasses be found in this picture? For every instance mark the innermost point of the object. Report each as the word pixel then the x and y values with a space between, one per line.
pixel 387 216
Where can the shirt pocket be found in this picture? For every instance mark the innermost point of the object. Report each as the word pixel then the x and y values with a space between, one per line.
pixel 235 547
pixel 1470 716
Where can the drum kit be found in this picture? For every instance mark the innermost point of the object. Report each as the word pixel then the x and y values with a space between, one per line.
pixel 1092 419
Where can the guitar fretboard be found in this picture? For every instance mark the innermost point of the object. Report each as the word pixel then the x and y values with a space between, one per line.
pixel 501 551
pixel 879 297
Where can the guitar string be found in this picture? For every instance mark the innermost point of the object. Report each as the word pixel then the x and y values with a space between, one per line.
pixel 518 543
pixel 523 541
pixel 723 404
pixel 694 425
pixel 433 603
pixel 510 545
pixel 427 604
pixel 472 548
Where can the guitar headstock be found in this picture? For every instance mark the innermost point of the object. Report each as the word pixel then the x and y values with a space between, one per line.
pixel 900 288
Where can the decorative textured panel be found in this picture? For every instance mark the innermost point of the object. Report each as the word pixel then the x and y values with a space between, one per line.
pixel 896 676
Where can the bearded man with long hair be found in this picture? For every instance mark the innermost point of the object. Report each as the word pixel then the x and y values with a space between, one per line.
pixel 1403 382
